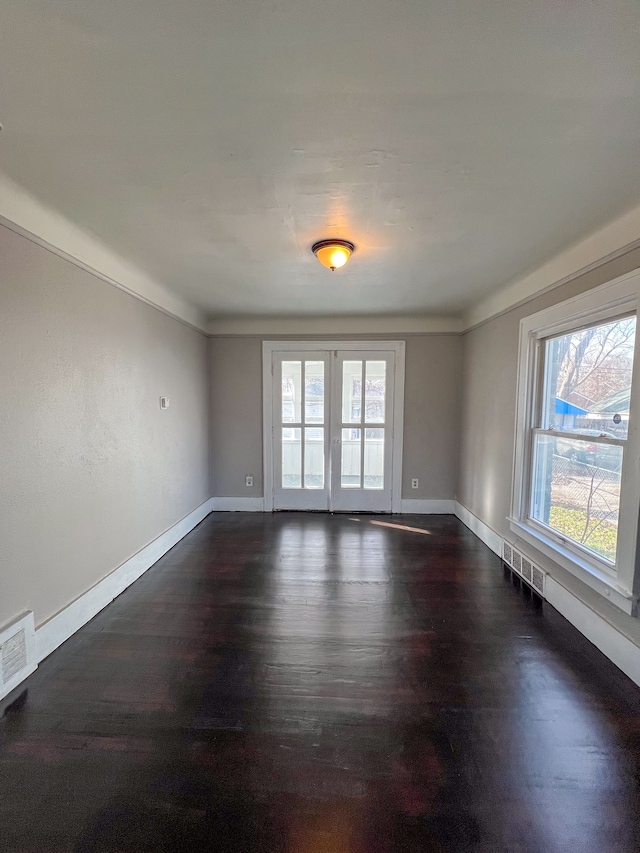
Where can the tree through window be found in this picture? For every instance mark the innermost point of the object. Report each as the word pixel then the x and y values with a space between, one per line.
pixel 581 431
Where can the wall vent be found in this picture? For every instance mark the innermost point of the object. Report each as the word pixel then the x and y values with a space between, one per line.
pixel 523 567
pixel 17 653
pixel 538 580
pixel 13 655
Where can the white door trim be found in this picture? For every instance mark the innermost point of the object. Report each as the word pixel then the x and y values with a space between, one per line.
pixel 269 347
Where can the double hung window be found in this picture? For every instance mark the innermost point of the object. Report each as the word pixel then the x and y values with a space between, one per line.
pixel 576 471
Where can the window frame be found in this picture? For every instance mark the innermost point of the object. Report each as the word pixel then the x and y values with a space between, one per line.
pixel 615 299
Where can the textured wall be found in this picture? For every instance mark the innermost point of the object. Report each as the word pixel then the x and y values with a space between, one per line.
pixel 91 468
pixel 430 427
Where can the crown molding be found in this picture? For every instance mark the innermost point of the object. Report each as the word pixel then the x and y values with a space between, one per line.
pixel 362 325
pixel 25 215
pixel 615 239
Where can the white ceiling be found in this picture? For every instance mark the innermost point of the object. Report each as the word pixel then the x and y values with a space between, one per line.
pixel 210 143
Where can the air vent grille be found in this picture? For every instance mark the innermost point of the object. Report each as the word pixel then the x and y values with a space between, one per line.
pixel 13 654
pixel 17 653
pixel 523 567
pixel 538 580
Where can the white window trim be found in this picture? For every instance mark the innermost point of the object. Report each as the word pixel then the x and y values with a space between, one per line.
pixel 618 584
pixel 269 347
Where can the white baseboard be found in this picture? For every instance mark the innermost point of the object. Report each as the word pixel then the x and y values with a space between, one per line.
pixel 427 507
pixel 490 538
pixel 618 648
pixel 59 628
pixel 238 504
pixel 422 507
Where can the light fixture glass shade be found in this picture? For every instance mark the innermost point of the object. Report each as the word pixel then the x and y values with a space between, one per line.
pixel 333 254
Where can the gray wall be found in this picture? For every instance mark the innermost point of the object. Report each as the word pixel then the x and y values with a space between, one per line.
pixel 489 376
pixel 236 416
pixel 430 424
pixel 431 416
pixel 91 470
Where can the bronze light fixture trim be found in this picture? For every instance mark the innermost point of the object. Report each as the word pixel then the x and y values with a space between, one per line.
pixel 333 254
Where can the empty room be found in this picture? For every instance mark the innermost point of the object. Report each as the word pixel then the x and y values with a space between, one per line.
pixel 319 426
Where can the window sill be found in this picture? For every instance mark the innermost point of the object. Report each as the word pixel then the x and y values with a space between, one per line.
pixel 595 578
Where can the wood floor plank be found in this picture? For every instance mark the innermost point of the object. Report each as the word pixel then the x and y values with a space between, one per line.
pixel 308 682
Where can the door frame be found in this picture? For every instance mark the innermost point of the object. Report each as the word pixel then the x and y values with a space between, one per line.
pixel 270 347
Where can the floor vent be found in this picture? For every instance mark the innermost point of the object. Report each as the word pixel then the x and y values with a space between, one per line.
pixel 523 567
pixel 17 653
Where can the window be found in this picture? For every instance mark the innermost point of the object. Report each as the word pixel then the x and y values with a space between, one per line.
pixel 576 473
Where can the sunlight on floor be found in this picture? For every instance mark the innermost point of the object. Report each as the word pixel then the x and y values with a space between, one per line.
pixel 396 526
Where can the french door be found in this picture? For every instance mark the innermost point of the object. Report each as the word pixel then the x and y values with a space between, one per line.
pixel 301 433
pixel 333 440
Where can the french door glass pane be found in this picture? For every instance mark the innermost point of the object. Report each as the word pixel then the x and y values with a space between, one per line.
pixel 576 491
pixel 291 458
pixel 314 392
pixel 374 458
pixel 291 392
pixel 314 458
pixel 351 392
pixel 375 392
pixel 351 458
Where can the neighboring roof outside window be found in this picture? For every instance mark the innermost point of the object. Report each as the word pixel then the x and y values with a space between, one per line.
pixel 618 402
pixel 563 407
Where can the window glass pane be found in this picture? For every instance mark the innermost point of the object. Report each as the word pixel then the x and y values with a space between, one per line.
pixel 576 491
pixel 291 458
pixel 314 458
pixel 351 392
pixel 374 458
pixel 291 392
pixel 374 391
pixel 588 379
pixel 314 392
pixel 351 457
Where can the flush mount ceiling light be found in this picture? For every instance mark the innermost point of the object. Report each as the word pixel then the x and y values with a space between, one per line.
pixel 333 253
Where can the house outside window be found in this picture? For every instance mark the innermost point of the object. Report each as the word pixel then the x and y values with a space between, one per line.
pixel 576 473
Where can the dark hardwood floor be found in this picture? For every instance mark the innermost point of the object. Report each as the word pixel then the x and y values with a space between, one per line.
pixel 315 684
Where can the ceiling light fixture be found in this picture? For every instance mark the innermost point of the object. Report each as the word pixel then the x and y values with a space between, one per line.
pixel 333 253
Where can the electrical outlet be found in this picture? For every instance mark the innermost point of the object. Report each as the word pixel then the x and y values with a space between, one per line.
pixel 248 481
pixel 414 483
